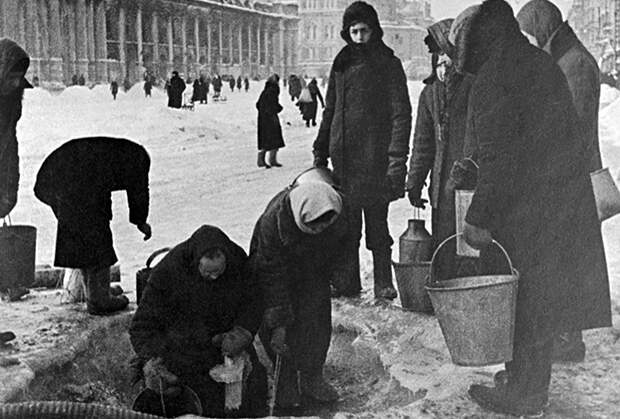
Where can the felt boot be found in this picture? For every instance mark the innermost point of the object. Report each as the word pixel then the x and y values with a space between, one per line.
pixel 382 270
pixel 99 300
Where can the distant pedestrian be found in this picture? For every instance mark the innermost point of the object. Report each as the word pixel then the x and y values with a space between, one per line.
pixel 217 86
pixel 176 86
pixel 246 84
pixel 81 80
pixel 74 80
pixel 114 88
pixel 294 87
pixel 309 106
pixel 148 86
pixel 231 83
pixel 269 130
pixel 239 81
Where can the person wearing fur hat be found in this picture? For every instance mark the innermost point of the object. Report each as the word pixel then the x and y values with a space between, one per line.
pixel 295 245
pixel 542 21
pixel 533 195
pixel 365 133
pixel 438 138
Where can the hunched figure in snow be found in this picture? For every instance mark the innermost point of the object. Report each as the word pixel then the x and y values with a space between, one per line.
pixel 438 140
pixel 77 181
pixel 365 132
pixel 295 244
pixel 14 62
pixel 542 21
pixel 533 196
pixel 201 303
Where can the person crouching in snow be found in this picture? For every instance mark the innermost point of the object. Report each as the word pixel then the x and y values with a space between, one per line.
pixel 200 305
pixel 294 246
pixel 77 181
pixel 365 132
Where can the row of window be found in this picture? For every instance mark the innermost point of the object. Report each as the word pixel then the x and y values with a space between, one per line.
pixel 326 32
pixel 318 54
pixel 318 4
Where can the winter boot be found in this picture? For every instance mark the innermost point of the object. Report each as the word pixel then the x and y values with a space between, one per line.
pixel 273 158
pixel 502 400
pixel 345 280
pixel 261 160
pixel 382 270
pixel 315 387
pixel 99 301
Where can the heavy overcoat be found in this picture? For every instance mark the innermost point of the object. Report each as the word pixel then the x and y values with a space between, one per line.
pixel 77 181
pixel 175 92
pixel 269 129
pixel 180 312
pixel 533 192
pixel 367 120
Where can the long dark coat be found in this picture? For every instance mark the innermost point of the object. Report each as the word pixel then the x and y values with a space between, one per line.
pixel 77 181
pixel 437 144
pixel 180 312
pixel 10 112
pixel 269 129
pixel 294 86
pixel 309 109
pixel 534 192
pixel 367 119
pixel 293 269
pixel 175 92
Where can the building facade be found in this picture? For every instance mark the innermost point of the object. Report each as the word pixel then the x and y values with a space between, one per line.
pixel 122 39
pixel 597 24
pixel 403 23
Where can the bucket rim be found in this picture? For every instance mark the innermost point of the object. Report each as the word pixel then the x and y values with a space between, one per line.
pixel 507 279
pixel 420 263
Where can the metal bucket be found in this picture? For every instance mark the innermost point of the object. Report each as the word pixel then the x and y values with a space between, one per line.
pixel 411 280
pixel 606 194
pixel 315 174
pixel 18 245
pixel 476 314
pixel 462 200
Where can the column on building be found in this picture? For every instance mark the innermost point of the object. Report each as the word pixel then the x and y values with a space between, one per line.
pixel 231 52
pixel 55 37
pixel 44 31
pixel 219 44
pixel 209 46
pixel 90 42
pixel 155 36
pixel 259 25
pixel 81 39
pixel 197 43
pixel 184 43
pixel 101 46
pixel 122 40
pixel 170 44
pixel 281 49
pixel 33 45
pixel 21 23
pixel 139 43
pixel 240 42
pixel 68 13
pixel 266 45
pixel 250 63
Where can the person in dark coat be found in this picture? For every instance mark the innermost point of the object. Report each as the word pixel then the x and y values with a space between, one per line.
pixel 365 132
pixel 246 84
pixel 74 80
pixel 270 138
pixel 14 63
pixel 217 86
pixel 438 140
pixel 176 86
pixel 239 83
pixel 114 88
pixel 201 303
pixel 533 196
pixel 309 109
pixel 148 87
pixel 542 20
pixel 231 83
pixel 200 90
pixel 294 87
pixel 77 181
pixel 295 244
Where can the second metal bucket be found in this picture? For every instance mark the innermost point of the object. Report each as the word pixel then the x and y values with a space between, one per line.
pixel 411 280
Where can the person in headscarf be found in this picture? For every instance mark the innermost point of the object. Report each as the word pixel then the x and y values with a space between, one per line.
pixel 365 132
pixel 201 303
pixel 295 244
pixel 270 138
pixel 438 139
pixel 14 63
pixel 533 195
pixel 309 108
pixel 542 23
pixel 77 181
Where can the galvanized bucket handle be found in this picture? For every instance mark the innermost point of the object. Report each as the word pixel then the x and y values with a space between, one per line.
pixel 454 236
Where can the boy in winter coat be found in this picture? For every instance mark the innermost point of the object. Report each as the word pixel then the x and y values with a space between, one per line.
pixel 365 132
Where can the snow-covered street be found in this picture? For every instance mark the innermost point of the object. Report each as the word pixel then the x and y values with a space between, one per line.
pixel 203 171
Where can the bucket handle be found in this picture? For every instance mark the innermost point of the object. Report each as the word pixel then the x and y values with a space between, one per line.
pixel 454 236
pixel 10 223
pixel 155 254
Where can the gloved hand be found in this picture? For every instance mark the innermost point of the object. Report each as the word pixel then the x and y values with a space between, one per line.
pixel 145 228
pixel 416 200
pixel 320 162
pixel 476 237
pixel 278 341
pixel 158 378
pixel 394 189
pixel 234 341
pixel 464 174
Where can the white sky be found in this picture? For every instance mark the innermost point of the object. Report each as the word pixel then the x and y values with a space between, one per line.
pixel 450 8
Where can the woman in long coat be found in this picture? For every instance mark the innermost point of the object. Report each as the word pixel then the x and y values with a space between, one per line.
pixel 543 21
pixel 365 132
pixel 175 90
pixel 533 195
pixel 269 130
pixel 309 109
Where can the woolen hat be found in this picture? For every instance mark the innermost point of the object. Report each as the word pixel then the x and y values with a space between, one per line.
pixel 360 12
pixel 540 19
